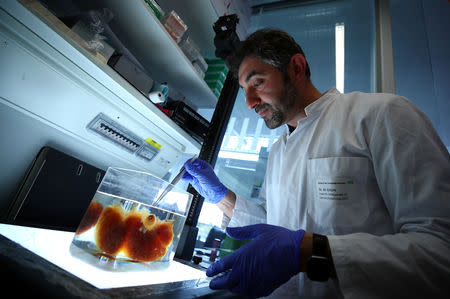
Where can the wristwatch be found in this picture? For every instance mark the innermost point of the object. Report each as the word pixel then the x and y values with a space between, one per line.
pixel 318 266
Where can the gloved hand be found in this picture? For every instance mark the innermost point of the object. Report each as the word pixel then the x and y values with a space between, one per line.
pixel 262 265
pixel 202 177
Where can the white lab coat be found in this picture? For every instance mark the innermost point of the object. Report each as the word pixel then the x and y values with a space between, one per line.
pixel 370 172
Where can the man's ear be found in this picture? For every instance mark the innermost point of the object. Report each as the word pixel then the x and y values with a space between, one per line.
pixel 297 67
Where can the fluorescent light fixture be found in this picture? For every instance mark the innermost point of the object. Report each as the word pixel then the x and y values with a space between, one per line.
pixel 238 156
pixel 241 168
pixel 340 55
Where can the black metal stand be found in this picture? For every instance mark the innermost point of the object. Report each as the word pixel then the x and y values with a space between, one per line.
pixel 226 42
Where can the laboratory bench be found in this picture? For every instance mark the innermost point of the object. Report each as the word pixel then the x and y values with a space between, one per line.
pixel 26 270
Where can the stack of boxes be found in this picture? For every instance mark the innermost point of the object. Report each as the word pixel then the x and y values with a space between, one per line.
pixel 174 25
pixel 192 52
pixel 176 28
pixel 214 71
pixel 215 75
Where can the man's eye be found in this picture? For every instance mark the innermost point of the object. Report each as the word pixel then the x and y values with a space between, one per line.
pixel 257 83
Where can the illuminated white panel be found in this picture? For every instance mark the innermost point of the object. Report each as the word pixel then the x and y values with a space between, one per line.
pixel 54 246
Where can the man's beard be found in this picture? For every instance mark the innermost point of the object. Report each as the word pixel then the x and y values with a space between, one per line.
pixel 280 110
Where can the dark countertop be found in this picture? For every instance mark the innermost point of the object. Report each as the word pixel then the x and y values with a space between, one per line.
pixel 25 273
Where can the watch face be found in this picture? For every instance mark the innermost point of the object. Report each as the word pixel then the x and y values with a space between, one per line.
pixel 318 268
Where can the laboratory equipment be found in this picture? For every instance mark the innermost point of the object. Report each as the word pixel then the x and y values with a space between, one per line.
pixel 172 183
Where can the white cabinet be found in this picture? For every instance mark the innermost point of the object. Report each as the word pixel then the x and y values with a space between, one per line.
pixel 51 89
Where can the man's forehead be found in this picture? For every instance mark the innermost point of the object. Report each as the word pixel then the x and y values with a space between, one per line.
pixel 250 66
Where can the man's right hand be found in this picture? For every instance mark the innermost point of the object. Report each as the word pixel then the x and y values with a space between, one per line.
pixel 201 176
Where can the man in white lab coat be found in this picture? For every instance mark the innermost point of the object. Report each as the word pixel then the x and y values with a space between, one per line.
pixel 356 197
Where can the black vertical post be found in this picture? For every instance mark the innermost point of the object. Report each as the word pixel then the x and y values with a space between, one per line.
pixel 226 42
pixel 208 152
pixel 218 126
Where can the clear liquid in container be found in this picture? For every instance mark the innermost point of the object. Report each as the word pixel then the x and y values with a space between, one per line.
pixel 118 231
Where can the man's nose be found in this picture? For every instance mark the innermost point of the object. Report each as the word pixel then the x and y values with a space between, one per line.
pixel 252 99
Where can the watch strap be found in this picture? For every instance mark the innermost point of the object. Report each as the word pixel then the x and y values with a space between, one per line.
pixel 320 244
pixel 318 264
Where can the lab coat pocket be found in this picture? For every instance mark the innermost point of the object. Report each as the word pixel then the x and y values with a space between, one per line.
pixel 337 192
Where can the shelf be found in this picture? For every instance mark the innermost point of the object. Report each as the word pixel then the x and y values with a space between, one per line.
pixel 200 18
pixel 146 38
pixel 43 24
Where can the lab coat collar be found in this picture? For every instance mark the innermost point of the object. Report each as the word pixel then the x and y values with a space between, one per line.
pixel 316 106
pixel 321 102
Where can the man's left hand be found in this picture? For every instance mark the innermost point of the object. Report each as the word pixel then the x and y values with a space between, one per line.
pixel 262 265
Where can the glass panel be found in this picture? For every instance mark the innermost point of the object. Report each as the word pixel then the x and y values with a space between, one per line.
pixel 342 30
pixel 241 163
pixel 421 63
pixel 241 166
pixel 314 27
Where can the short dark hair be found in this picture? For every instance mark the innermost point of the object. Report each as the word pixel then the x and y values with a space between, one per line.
pixel 273 46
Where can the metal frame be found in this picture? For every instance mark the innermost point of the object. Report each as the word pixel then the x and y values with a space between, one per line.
pixel 208 152
pixel 384 55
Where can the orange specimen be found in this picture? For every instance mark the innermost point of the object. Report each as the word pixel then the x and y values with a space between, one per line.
pixel 146 240
pixel 90 218
pixel 137 234
pixel 149 221
pixel 110 230
pixel 164 233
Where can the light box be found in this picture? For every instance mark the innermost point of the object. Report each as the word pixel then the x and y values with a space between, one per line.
pixel 54 246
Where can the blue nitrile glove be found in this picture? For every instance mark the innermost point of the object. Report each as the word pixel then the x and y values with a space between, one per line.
pixel 262 265
pixel 202 177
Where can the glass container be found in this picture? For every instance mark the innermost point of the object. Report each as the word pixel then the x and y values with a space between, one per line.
pixel 124 228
